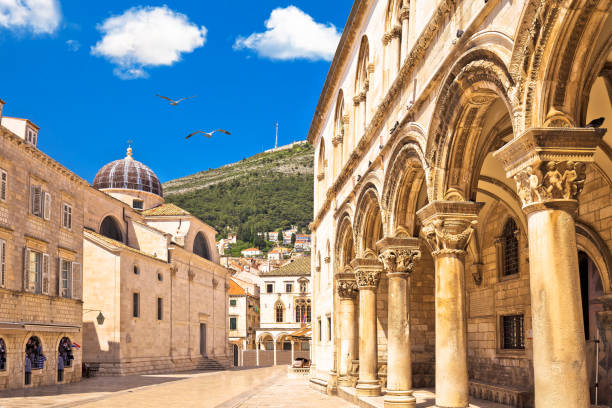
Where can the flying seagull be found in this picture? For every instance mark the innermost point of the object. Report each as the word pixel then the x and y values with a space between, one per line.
pixel 595 123
pixel 208 134
pixel 173 102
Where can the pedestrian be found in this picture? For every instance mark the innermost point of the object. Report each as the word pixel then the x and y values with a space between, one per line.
pixel 28 370
pixel 60 368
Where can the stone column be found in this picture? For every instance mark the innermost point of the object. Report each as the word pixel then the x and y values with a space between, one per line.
pixel 292 351
pixel 548 166
pixel 448 227
pixel 394 52
pixel 367 275
pixel 404 17
pixel 347 292
pixel 274 341
pixel 398 256
pixel 257 354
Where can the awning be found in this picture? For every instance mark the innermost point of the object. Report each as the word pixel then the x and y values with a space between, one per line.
pixel 305 333
pixel 44 327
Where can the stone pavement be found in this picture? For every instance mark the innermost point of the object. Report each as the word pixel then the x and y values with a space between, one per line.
pixel 262 387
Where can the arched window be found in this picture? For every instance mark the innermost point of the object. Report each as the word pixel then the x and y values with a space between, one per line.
pixel 110 228
pixel 362 84
pixel 279 311
pixel 392 40
pixel 65 351
pixel 509 249
pixel 2 355
pixel 34 352
pixel 338 137
pixel 200 246
pixel 321 173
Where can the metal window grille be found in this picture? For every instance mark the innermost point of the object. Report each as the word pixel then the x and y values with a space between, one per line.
pixel 513 333
pixel 510 248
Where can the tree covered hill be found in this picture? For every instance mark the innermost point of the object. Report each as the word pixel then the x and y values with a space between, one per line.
pixel 268 191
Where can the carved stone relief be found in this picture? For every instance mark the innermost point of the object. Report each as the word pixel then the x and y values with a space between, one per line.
pixel 550 180
pixel 396 260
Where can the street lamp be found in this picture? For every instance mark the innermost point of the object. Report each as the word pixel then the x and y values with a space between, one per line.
pixel 100 318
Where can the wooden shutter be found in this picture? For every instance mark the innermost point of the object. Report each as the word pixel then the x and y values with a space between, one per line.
pixel 36 200
pixel 59 277
pixel 2 263
pixel 77 285
pixel 47 206
pixel 26 264
pixel 45 274
pixel 3 184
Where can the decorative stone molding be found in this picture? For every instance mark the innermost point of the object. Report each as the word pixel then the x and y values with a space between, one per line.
pixel 448 225
pixel 367 271
pixel 399 255
pixel 548 164
pixel 347 285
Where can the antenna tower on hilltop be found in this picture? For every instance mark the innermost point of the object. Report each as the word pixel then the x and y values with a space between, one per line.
pixel 276 142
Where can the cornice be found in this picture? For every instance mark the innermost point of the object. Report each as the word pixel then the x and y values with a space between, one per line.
pixel 427 37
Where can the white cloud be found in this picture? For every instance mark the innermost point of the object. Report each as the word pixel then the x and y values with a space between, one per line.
pixel 37 16
pixel 144 37
pixel 73 45
pixel 292 34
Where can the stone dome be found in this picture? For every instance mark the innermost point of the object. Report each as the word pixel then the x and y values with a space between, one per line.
pixel 128 174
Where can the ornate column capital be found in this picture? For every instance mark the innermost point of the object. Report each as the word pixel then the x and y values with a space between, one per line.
pixel 336 140
pixel 367 270
pixel 346 284
pixel 404 13
pixel 398 255
pixel 549 165
pixel 448 225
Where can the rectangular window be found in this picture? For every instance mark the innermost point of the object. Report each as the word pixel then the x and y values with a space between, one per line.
pixel 232 302
pixel 319 327
pixel 36 201
pixel 65 278
pixel 329 328
pixel 33 271
pixel 136 305
pixel 233 323
pixel 513 335
pixel 67 216
pixel 2 263
pixel 3 184
pixel 160 309
pixel 288 287
pixel 138 204
pixel 269 287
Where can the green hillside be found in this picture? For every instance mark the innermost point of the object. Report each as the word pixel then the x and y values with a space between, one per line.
pixel 264 192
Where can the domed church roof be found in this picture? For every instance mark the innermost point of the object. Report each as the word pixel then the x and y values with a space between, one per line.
pixel 128 174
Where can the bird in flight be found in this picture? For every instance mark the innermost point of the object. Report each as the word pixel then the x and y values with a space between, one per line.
pixel 173 102
pixel 207 134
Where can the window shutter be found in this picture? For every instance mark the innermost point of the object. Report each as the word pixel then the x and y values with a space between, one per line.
pixel 26 264
pixel 2 263
pixel 77 286
pixel 3 184
pixel 36 199
pixel 45 274
pixel 47 206
pixel 59 277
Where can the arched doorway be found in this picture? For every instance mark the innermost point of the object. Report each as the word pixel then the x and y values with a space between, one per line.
pixel 2 355
pixel 34 358
pixel 110 228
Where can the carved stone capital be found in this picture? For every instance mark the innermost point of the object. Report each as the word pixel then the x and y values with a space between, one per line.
pixel 404 13
pixel 367 271
pixel 549 165
pixel 448 225
pixel 386 38
pixel 396 31
pixel 398 255
pixel 337 139
pixel 346 284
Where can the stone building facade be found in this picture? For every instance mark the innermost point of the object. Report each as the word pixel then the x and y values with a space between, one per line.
pixel 462 223
pixel 41 230
pixel 243 315
pixel 152 269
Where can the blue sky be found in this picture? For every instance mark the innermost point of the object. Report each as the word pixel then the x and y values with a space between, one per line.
pixel 86 72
